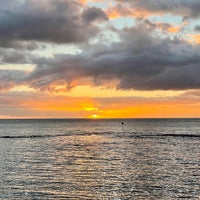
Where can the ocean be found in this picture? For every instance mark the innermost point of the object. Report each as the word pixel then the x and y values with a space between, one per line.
pixel 150 159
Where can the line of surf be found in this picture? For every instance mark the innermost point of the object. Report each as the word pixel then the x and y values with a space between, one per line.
pixel 50 135
pixel 134 135
pixel 170 135
pixel 31 136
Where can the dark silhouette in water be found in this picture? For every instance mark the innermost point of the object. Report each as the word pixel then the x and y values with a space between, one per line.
pixel 122 123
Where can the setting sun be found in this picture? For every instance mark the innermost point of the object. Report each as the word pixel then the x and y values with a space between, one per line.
pixel 94 116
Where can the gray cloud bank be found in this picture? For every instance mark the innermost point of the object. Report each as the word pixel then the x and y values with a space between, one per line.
pixel 139 61
pixel 142 59
pixel 58 21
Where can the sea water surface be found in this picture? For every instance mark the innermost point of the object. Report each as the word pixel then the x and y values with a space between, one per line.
pixel 100 159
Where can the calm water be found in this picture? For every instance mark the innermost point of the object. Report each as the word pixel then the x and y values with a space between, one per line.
pixel 100 159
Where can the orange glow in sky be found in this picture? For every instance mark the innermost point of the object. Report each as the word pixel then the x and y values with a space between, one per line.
pixel 44 106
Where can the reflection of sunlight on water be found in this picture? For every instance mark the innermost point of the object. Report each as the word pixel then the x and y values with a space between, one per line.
pixel 100 163
pixel 96 165
pixel 93 138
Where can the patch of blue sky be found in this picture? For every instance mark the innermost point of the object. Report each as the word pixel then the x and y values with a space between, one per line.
pixel 123 22
pixel 101 4
pixel 192 23
pixel 171 19
pixel 49 50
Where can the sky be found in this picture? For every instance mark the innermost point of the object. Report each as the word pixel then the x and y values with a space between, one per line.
pixel 99 58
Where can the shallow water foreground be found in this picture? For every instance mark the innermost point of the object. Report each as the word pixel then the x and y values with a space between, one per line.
pixel 83 159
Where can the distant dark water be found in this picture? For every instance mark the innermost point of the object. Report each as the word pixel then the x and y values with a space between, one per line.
pixel 100 159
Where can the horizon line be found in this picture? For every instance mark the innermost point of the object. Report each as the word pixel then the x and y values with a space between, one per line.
pixel 87 118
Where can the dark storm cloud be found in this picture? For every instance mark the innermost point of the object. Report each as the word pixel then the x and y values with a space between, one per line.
pixel 154 63
pixel 58 21
pixel 139 61
pixel 94 14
